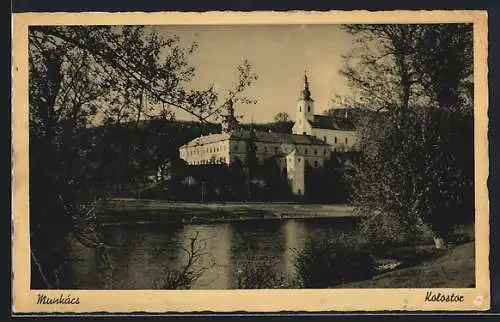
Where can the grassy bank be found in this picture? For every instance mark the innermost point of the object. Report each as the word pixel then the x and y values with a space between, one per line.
pixel 143 211
pixel 453 267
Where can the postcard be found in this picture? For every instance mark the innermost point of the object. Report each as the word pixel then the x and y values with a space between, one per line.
pixel 250 161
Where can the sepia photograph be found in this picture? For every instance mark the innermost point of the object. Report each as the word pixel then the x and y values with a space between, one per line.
pixel 253 156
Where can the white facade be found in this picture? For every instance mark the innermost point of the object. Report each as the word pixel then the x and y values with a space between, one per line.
pixel 295 170
pixel 339 141
pixel 206 150
pixel 227 148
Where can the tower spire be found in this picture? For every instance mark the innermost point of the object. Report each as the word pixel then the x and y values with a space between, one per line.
pixel 306 93
pixel 229 122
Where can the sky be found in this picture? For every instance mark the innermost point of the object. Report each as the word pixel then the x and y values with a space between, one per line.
pixel 279 55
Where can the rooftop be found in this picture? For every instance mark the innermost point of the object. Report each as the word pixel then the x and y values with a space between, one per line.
pixel 259 136
pixel 332 123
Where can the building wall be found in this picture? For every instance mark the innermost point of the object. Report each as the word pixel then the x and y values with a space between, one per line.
pixel 227 151
pixel 305 112
pixel 338 140
pixel 295 173
pixel 210 153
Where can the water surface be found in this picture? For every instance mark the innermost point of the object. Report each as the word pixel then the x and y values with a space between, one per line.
pixel 139 256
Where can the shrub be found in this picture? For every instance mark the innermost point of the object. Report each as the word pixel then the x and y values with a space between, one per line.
pixel 385 230
pixel 255 273
pixel 326 263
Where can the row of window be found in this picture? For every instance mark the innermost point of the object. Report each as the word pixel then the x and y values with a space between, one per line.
pixel 222 160
pixel 335 140
pixel 205 150
pixel 210 161
pixel 306 150
pixel 223 147
pixel 202 150
pixel 314 163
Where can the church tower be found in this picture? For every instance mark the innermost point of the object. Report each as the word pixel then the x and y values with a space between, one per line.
pixel 229 123
pixel 305 110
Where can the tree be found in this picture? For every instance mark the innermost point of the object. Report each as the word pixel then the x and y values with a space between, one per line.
pixel 416 167
pixel 282 117
pixel 380 66
pixel 253 272
pixel 282 123
pixel 192 269
pixel 251 163
pixel 83 76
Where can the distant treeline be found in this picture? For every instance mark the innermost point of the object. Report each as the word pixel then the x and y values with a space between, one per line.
pixel 128 155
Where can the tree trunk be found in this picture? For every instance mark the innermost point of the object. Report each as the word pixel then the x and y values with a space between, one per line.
pixel 439 242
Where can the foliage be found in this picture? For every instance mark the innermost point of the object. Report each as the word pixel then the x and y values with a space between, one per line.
pixel 83 76
pixel 282 117
pixel 406 65
pixel 417 154
pixel 417 167
pixel 255 273
pixel 334 175
pixel 324 263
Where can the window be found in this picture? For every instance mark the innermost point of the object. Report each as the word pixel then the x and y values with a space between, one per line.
pixel 309 109
pixel 300 108
pixel 335 139
pixel 315 163
pixel 265 149
pixel 304 133
pixel 305 152
pixel 298 160
pixel 276 149
pixel 346 140
pixel 324 152
pixel 315 151
pixel 324 138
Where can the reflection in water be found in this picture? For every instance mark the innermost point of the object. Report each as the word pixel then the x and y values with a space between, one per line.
pixel 139 256
pixel 214 245
pixel 295 235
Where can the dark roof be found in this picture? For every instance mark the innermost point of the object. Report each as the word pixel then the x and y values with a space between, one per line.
pixel 259 136
pixel 332 123
pixel 273 137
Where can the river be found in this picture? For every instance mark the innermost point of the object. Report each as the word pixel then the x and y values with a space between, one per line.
pixel 139 256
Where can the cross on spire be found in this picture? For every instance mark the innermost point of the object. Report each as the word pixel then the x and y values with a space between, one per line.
pixel 306 93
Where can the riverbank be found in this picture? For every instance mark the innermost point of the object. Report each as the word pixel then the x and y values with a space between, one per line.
pixel 452 267
pixel 123 211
